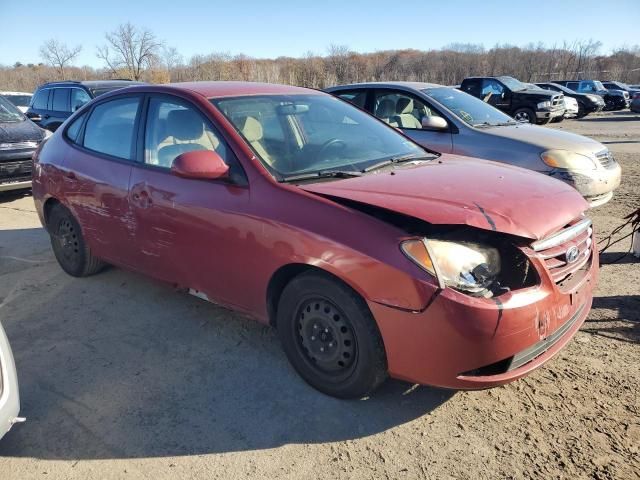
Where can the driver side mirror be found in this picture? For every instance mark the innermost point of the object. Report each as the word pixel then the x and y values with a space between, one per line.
pixel 434 123
pixel 200 164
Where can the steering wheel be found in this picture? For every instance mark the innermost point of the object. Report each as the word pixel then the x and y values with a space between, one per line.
pixel 329 144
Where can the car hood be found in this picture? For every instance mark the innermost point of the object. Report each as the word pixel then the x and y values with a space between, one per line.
pixel 463 190
pixel 25 131
pixel 538 94
pixel 547 138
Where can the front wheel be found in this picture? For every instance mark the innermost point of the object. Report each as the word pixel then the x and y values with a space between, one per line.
pixel 330 336
pixel 69 246
pixel 525 115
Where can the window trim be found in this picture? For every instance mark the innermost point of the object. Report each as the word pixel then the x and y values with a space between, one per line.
pixel 48 90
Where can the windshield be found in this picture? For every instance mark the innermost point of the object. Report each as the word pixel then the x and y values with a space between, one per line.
pixel 598 85
pixel 19 100
pixel 562 88
pixel 513 84
pixel 468 108
pixel 9 113
pixel 301 134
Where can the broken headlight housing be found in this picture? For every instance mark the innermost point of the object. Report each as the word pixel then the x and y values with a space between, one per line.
pixel 470 267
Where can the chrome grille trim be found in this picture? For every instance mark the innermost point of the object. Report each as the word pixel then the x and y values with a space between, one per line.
pixel 18 145
pixel 605 158
pixel 562 236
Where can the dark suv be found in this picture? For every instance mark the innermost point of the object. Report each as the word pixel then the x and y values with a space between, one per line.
pixel 52 103
pixel 515 99
pixel 613 85
pixel 587 102
pixel 613 99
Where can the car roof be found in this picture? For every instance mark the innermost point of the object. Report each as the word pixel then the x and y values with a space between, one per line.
pixel 412 85
pixel 236 88
pixel 92 83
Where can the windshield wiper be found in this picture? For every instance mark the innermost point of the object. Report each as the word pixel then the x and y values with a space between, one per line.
pixel 398 159
pixel 321 174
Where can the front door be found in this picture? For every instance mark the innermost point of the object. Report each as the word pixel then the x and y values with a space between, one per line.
pixel 405 112
pixel 186 229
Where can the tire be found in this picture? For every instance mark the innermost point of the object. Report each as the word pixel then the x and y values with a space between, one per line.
pixel 69 247
pixel 557 119
pixel 330 336
pixel 527 114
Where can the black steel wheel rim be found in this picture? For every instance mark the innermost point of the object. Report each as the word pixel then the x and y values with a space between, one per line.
pixel 66 238
pixel 325 338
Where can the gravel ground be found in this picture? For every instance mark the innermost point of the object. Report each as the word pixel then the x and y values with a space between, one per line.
pixel 124 378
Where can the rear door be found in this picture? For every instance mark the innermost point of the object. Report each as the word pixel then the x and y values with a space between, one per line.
pixel 97 172
pixel 187 231
pixel 394 106
pixel 60 107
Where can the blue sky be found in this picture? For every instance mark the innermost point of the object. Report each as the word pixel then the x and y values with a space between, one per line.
pixel 291 28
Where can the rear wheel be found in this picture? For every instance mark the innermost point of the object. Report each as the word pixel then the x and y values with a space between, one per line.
pixel 71 250
pixel 330 336
pixel 525 115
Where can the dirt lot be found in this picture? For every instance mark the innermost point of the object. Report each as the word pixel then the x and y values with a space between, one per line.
pixel 125 378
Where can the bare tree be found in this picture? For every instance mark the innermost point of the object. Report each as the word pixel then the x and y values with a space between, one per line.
pixel 58 55
pixel 129 50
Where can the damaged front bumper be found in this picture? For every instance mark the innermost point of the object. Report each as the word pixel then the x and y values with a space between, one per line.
pixel 596 186
pixel 463 342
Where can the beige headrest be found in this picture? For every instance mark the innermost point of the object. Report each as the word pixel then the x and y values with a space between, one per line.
pixel 252 130
pixel 404 105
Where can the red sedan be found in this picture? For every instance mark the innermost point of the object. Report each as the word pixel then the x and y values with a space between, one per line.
pixel 370 255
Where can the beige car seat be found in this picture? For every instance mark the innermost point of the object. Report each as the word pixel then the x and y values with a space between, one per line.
pixel 252 131
pixel 386 110
pixel 404 114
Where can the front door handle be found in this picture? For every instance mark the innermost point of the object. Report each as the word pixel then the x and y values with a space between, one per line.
pixel 45 116
pixel 70 175
pixel 142 199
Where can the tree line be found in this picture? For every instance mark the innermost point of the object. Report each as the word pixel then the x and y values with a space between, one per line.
pixel 135 53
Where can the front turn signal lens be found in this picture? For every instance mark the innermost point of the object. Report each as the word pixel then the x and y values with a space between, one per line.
pixel 417 252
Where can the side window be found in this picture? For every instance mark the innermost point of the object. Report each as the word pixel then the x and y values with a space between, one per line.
pixel 74 128
pixel 586 87
pixel 472 87
pixel 110 128
pixel 572 85
pixel 491 87
pixel 400 110
pixel 174 127
pixel 60 99
pixel 78 98
pixel 40 99
pixel 356 97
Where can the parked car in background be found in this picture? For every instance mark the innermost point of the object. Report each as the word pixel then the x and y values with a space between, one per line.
pixel 635 105
pixel 570 104
pixel 52 103
pixel 515 99
pixel 371 255
pixel 9 393
pixel 587 102
pixel 19 138
pixel 612 85
pixel 613 99
pixel 19 99
pixel 447 120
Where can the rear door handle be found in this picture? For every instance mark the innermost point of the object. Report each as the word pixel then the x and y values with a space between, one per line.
pixel 142 199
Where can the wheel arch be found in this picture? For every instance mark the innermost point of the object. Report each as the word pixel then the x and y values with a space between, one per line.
pixel 48 207
pixel 283 275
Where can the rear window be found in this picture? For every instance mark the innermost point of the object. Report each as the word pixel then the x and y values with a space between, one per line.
pixel 19 100
pixel 110 128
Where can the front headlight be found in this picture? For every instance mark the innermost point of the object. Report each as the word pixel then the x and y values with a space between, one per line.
pixel 466 266
pixel 546 104
pixel 567 160
pixel 594 98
